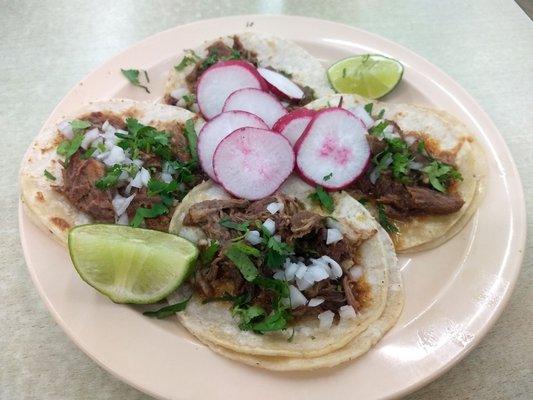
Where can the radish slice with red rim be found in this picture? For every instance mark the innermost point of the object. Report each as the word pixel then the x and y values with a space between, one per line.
pixel 252 163
pixel 222 79
pixel 294 123
pixel 217 129
pixel 280 85
pixel 257 102
pixel 333 151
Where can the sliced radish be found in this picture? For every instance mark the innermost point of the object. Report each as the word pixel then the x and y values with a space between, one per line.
pixel 280 85
pixel 222 79
pixel 293 124
pixel 252 163
pixel 257 102
pixel 333 150
pixel 217 129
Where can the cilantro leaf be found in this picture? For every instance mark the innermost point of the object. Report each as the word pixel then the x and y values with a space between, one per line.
pixel 49 175
pixel 192 138
pixel 440 175
pixel 184 63
pixel 247 315
pixel 246 249
pixel 68 148
pixel 400 165
pixel 328 176
pixel 323 198
pixel 368 108
pixel 110 178
pixel 189 99
pixel 142 213
pixel 88 153
pixel 277 252
pixel 208 255
pixel 381 114
pixel 384 221
pixel 79 125
pixel 156 187
pixel 276 321
pixel 227 223
pixel 132 75
pixel 167 311
pixel 279 287
pixel 242 262
pixel 377 130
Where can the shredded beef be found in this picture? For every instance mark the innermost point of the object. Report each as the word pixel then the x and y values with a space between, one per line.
pixel 79 177
pixel 434 202
pixel 305 222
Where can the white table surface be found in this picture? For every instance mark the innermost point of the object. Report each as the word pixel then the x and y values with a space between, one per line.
pixel 48 46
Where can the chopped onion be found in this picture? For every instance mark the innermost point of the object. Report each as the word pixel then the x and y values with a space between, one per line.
pixel 138 163
pixel 347 312
pixel 105 125
pixel 315 302
pixel 89 137
pixel 333 223
pixel 195 108
pixel 279 275
pixel 356 272
pixel 336 270
pixel 333 236
pixel 116 156
pixel 270 226
pixel 123 219
pixel 65 129
pixel 416 165
pixel 124 176
pixel 177 94
pixel 253 237
pixel 181 102
pixel 297 298
pixel 145 176
pixel 302 268
pixel 326 320
pixel 303 283
pixel 120 204
pixel 166 177
pixel 273 208
pixel 363 115
pixel 409 139
pixel 290 270
pixel 316 273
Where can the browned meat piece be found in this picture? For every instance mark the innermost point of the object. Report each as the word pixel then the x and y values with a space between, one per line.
pixel 430 201
pixel 349 288
pixel 305 222
pixel 376 145
pixel 97 118
pixel 180 147
pixel 258 207
pixel 142 199
pixel 248 55
pixel 79 178
pixel 199 212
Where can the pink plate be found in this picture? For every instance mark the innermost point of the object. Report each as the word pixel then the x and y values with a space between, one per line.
pixel 454 293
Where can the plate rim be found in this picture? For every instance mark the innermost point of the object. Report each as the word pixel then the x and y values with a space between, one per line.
pixel 481 118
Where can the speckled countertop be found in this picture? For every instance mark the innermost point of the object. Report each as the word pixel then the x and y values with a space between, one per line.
pixel 46 47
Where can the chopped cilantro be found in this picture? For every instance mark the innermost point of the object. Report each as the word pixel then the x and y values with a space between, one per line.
pixel 246 249
pixel 88 153
pixel 167 311
pixel 328 176
pixel 227 223
pixel 381 114
pixel 49 175
pixel 224 297
pixel 208 255
pixel 440 175
pixel 192 138
pixel 79 125
pixel 189 99
pixel 156 187
pixel 142 213
pixel 384 221
pixel 278 287
pixel 377 130
pixel 68 148
pixel 323 198
pixel 184 63
pixel 363 201
pixel 132 75
pixel 400 166
pixel 242 262
pixel 247 315
pixel 285 73
pixel 146 76
pixel 277 252
pixel 110 179
pixel 368 108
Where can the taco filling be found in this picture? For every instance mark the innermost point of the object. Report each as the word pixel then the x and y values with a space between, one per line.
pixel 122 171
pixel 405 177
pixel 278 263
pixel 220 51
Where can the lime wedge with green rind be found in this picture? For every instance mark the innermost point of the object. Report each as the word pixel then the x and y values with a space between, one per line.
pixel 131 265
pixel 368 75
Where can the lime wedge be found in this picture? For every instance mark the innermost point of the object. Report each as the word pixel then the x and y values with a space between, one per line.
pixel 130 265
pixel 368 75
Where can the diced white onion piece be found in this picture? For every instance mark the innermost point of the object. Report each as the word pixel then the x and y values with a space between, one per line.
pixel 253 237
pixel 137 182
pixel 145 176
pixel 303 283
pixel 167 168
pixel 138 163
pixel 181 103
pixel 416 165
pixel 290 271
pixel 409 139
pixel 120 204
pixel 123 219
pixel 127 159
pixel 105 125
pixel 195 108
pixel 89 137
pixel 127 190
pixel 300 272
pixel 336 270
pixel 273 208
pixel 279 275
pixel 333 236
pixel 347 312
pixel 333 223
pixel 297 298
pixel 315 302
pixel 116 156
pixel 326 320
pixel 65 129
pixel 101 156
pixel 316 273
pixel 356 272
pixel 178 93
pixel 270 226
pixel 166 177
pixel 124 176
pixel 363 115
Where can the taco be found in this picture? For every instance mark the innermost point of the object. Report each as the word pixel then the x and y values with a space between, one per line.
pixel 276 276
pixel 259 49
pixel 117 161
pixel 425 176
